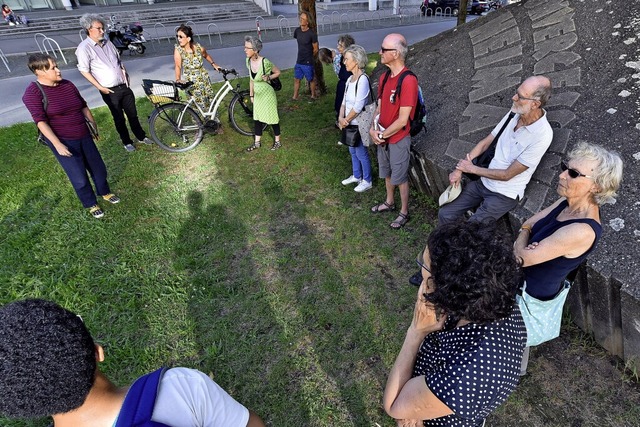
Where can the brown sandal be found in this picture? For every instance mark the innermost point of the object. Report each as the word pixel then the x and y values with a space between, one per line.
pixel 399 222
pixel 388 208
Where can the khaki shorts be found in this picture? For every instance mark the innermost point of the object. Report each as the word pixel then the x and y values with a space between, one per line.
pixel 393 160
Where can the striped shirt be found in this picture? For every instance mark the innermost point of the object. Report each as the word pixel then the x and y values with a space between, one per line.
pixel 102 61
pixel 64 110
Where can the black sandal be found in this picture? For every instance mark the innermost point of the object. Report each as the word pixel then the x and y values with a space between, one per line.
pixel 254 146
pixel 389 208
pixel 276 145
pixel 399 222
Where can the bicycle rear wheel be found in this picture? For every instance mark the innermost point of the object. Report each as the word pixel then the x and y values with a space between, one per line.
pixel 241 113
pixel 174 130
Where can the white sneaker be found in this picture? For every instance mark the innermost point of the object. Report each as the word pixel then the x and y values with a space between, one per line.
pixel 363 186
pixel 147 141
pixel 130 148
pixel 351 180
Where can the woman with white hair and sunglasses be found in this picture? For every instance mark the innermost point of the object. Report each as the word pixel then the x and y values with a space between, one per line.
pixel 554 242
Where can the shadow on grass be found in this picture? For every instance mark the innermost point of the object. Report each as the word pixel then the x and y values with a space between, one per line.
pixel 319 300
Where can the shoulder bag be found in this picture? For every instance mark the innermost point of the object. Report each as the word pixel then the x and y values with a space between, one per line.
pixel 484 159
pixel 276 84
pixel 366 116
pixel 543 318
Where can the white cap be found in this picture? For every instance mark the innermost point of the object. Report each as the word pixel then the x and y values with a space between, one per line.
pixel 450 194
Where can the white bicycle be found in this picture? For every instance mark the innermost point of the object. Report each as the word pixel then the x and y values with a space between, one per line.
pixel 178 126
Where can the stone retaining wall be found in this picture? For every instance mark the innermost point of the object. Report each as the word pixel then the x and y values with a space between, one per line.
pixel 587 49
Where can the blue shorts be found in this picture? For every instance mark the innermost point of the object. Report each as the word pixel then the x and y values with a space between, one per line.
pixel 301 70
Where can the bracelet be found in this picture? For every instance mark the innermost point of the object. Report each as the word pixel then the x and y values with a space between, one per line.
pixel 525 227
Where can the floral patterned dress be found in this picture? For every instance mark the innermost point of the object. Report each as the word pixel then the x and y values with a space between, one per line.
pixel 265 102
pixel 193 71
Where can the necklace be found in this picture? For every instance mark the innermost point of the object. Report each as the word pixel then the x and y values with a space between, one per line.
pixel 580 211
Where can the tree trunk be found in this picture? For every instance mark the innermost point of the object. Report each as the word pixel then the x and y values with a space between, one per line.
pixel 462 12
pixel 309 6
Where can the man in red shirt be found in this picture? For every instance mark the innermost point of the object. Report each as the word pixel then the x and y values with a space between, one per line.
pixel 390 132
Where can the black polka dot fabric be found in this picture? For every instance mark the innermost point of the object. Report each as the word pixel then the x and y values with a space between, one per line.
pixel 472 368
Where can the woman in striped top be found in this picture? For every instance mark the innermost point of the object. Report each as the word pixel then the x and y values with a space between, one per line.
pixel 64 119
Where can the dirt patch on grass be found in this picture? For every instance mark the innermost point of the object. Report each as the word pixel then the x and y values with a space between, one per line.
pixel 572 382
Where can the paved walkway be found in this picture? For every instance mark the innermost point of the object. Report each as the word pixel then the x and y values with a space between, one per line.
pixel 17 45
pixel 157 61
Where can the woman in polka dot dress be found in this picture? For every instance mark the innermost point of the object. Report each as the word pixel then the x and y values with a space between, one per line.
pixel 461 356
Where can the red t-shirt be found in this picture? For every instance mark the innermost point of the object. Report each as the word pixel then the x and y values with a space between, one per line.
pixel 408 97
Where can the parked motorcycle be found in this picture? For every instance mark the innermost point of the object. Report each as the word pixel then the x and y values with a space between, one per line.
pixel 126 37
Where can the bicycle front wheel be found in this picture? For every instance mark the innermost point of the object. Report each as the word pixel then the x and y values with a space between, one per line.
pixel 241 113
pixel 176 128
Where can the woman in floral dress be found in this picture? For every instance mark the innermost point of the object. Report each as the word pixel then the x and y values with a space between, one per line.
pixel 265 102
pixel 189 58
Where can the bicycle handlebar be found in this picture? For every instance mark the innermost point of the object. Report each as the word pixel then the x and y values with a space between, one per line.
pixel 227 71
pixel 224 71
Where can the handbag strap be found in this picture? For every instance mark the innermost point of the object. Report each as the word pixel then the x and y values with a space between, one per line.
pixel 370 93
pixel 45 100
pixel 495 140
pixel 263 70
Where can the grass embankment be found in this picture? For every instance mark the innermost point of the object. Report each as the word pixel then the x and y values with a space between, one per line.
pixel 258 268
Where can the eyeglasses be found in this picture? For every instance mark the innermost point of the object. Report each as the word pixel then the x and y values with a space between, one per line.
pixel 572 172
pixel 420 262
pixel 525 98
pixel 248 48
pixel 98 28
pixel 384 49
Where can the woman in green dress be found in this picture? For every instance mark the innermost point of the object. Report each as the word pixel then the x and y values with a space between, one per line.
pixel 189 60
pixel 265 102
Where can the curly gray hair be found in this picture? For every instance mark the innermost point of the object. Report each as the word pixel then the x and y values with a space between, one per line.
pixel 87 20
pixel 255 43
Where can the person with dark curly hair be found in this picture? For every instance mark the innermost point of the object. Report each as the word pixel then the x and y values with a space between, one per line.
pixel 461 356
pixel 48 367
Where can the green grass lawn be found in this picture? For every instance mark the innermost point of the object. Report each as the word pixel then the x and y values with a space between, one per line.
pixel 259 268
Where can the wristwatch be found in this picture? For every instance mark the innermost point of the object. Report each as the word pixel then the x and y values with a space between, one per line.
pixel 380 135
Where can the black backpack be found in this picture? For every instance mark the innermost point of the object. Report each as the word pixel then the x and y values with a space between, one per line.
pixel 420 115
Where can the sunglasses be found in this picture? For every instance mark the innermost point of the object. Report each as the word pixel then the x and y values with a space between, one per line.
pixel 384 49
pixel 572 172
pixel 181 37
pixel 420 262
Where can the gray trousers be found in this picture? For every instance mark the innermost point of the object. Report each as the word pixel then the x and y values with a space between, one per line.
pixel 475 195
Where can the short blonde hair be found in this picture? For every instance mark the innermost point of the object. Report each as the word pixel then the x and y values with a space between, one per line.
pixel 607 175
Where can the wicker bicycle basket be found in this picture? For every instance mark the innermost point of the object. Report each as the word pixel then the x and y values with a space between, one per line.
pixel 160 92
